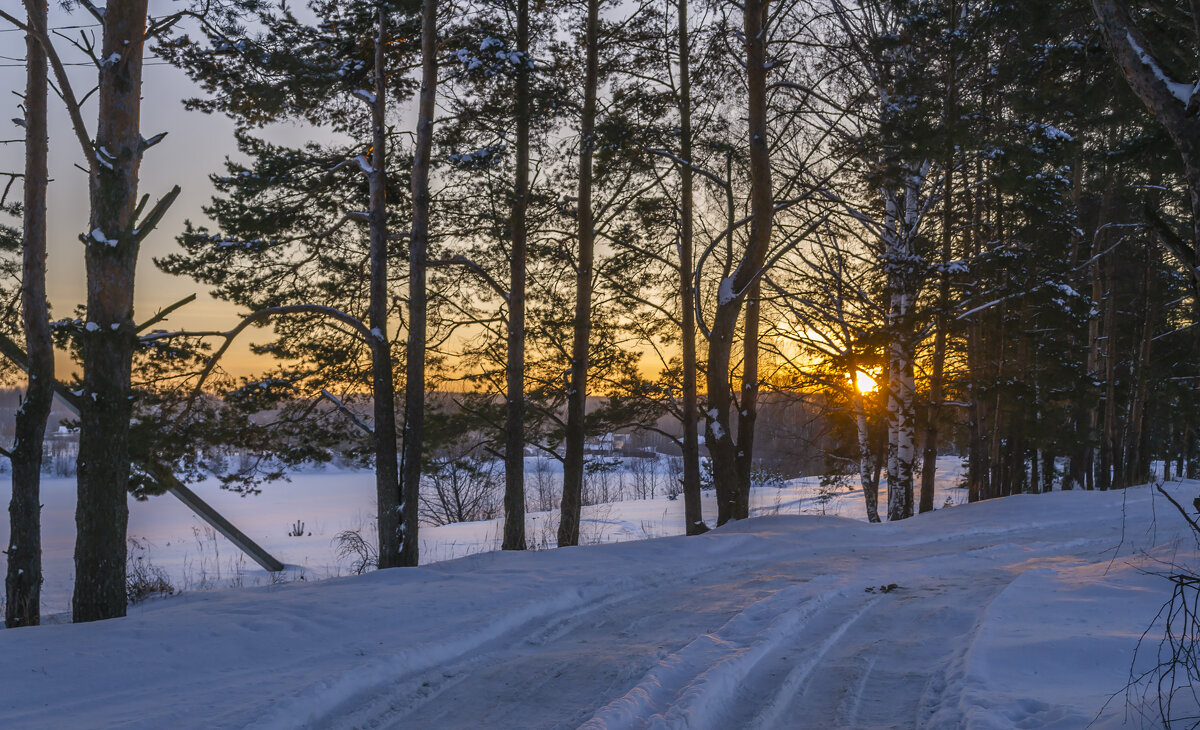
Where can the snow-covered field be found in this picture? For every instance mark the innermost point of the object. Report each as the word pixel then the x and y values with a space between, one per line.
pixel 1015 613
pixel 325 503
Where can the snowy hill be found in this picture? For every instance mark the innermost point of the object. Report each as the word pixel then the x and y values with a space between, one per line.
pixel 1021 612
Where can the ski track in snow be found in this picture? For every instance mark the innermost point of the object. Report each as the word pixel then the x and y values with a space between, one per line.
pixel 767 623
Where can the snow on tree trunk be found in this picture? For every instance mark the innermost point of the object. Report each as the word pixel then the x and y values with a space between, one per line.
pixel 101 513
pixel 903 267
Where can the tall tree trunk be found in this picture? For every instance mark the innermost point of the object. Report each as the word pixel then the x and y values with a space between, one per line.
pixel 391 505
pixel 107 342
pixel 1093 461
pixel 1137 460
pixel 693 513
pixel 1146 78
pixel 1109 467
pixel 719 438
pixel 937 377
pixel 23 582
pixel 719 434
pixel 868 474
pixel 735 288
pixel 748 410
pixel 418 254
pixel 901 350
pixel 757 14
pixel 514 420
pixel 576 430
pixel 978 467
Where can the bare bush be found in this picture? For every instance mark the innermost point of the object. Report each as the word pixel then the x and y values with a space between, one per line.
pixel 1170 686
pixel 461 489
pixel 544 483
pixel 597 480
pixel 144 579
pixel 363 555
pixel 644 477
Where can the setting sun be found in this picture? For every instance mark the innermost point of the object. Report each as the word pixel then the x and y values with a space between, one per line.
pixel 864 382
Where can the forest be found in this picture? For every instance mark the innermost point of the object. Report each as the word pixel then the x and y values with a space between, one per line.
pixel 837 239
pixel 937 227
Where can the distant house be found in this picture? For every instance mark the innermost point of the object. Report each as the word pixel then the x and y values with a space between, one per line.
pixel 606 445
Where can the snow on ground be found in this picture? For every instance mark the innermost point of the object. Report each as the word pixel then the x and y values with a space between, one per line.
pixel 327 502
pixel 1020 612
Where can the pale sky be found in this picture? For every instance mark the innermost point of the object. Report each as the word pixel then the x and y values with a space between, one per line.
pixel 196 145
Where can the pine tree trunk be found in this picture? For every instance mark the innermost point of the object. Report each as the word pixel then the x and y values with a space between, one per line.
pixel 937 376
pixel 418 253
pixel 719 438
pixel 1137 461
pixel 693 513
pixel 101 512
pixel 23 581
pixel 1092 465
pixel 1109 466
pixel 391 505
pixel 576 431
pixel 748 411
pixel 735 288
pixel 978 467
pixel 514 420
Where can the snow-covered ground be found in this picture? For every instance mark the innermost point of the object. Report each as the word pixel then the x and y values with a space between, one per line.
pixel 325 503
pixel 1021 612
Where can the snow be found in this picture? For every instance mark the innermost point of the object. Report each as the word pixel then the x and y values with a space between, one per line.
pixel 725 292
pixel 363 165
pixel 98 236
pixel 1182 92
pixel 1020 612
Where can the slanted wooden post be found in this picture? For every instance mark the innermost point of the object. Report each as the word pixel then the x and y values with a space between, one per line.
pixel 163 476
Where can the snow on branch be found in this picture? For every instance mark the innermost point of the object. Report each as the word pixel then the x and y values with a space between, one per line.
pixel 1182 92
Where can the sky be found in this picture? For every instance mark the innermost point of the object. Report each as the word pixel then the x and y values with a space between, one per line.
pixel 196 145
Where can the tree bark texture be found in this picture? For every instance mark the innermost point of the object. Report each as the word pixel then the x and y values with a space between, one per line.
pixel 392 508
pixel 23 581
pixel 108 340
pixel 734 289
pixel 514 421
pixel 693 514
pixel 418 254
pixel 576 431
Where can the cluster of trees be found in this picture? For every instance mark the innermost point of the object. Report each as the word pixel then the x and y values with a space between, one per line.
pixel 675 205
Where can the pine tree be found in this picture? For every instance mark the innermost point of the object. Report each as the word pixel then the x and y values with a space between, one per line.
pixel 334 74
pixel 24 577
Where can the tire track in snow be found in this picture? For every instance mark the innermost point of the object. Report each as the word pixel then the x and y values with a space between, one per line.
pixel 696 684
pixel 770 716
pixel 376 692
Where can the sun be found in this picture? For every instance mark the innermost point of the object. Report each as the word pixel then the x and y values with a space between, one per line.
pixel 864 382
